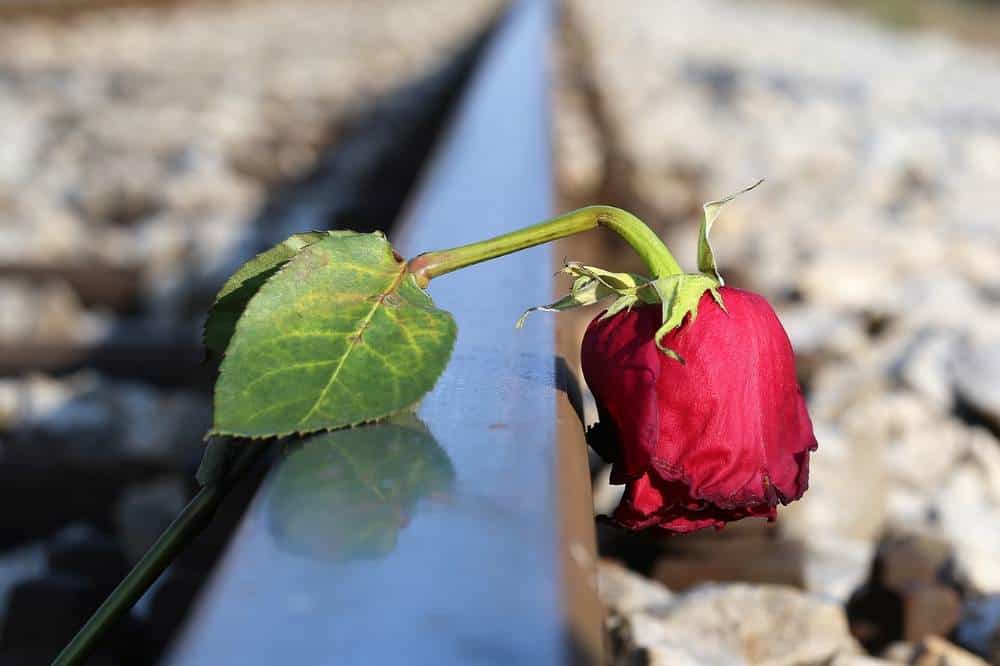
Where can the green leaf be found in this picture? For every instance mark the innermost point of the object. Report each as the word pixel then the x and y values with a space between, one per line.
pixel 706 258
pixel 345 495
pixel 339 336
pixel 232 299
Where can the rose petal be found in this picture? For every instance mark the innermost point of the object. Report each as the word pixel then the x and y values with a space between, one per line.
pixel 724 436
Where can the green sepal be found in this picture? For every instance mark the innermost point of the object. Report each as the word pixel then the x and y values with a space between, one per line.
pixel 706 258
pixel 622 303
pixel 582 293
pixel 718 299
pixel 679 295
pixel 592 285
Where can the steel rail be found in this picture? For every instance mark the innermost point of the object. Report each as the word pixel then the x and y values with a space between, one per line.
pixel 497 568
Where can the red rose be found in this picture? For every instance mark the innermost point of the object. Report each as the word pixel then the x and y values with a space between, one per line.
pixel 722 436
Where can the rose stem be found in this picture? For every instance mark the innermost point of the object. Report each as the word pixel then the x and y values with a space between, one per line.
pixel 634 231
pixel 192 519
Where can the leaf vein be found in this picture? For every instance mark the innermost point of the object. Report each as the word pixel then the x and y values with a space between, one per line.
pixel 354 339
pixel 284 368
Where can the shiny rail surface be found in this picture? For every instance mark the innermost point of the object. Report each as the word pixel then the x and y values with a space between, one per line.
pixel 446 541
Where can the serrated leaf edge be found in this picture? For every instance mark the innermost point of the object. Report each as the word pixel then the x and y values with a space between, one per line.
pixel 222 292
pixel 213 432
pixel 301 433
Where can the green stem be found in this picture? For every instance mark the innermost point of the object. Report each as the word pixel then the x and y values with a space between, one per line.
pixel 635 232
pixel 188 524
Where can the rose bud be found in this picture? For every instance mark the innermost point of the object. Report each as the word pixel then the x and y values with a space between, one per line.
pixel 714 432
pixel 701 415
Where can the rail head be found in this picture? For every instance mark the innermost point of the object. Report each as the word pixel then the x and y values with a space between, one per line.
pixel 466 561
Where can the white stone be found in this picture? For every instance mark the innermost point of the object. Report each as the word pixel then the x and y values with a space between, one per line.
pixel 606 495
pixel 721 625
pixel 977 379
pixel 624 591
pixel 849 282
pixel 761 624
pixel 819 333
pixel 968 510
pixel 847 491
pixel 926 365
pixel 836 566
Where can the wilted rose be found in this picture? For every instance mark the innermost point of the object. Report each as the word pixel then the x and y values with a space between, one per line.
pixel 721 436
